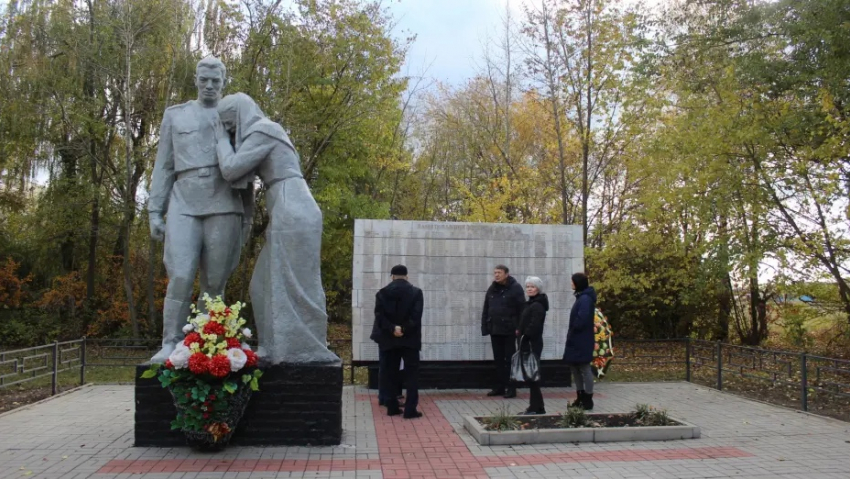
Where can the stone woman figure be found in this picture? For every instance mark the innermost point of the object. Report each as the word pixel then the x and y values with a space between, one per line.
pixel 286 286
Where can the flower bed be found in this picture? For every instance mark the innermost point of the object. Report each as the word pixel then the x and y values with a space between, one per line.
pixel 643 424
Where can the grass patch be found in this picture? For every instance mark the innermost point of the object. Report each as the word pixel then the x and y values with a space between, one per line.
pixel 572 417
pixel 501 421
pixel 628 373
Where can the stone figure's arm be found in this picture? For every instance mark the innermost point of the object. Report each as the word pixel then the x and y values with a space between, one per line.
pixel 236 164
pixel 162 179
pixel 247 195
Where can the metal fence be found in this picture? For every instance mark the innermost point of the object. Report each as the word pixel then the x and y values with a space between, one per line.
pixel 43 364
pixel 787 378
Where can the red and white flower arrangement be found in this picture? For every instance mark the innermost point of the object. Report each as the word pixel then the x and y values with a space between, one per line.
pixel 211 371
pixel 214 341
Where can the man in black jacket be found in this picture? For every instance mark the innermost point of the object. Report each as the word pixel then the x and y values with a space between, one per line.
pixel 398 314
pixel 502 308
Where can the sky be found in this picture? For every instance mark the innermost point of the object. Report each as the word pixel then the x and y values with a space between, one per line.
pixel 450 34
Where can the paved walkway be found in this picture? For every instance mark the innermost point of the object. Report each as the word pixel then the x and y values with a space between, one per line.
pixel 89 433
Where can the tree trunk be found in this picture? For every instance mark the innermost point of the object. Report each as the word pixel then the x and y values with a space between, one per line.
pixel 585 153
pixel 550 80
pixel 753 338
pixel 129 196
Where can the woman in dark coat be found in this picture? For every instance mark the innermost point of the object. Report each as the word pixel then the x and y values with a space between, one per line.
pixel 578 352
pixel 531 330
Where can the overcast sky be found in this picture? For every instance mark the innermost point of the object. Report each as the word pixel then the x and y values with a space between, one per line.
pixel 451 33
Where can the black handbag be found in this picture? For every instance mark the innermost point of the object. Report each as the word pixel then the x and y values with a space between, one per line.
pixel 525 367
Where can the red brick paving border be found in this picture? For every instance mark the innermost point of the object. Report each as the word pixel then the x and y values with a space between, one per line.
pixel 424 447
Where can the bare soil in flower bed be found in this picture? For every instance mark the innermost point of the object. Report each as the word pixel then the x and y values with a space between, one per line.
pixel 646 424
pixel 594 421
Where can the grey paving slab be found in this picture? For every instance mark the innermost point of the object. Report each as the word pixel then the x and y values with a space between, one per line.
pixel 76 435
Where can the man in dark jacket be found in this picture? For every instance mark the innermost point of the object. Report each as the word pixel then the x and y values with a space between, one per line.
pixel 503 305
pixel 578 352
pixel 398 314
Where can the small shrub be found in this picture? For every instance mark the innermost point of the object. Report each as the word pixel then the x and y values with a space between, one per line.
pixel 501 421
pixel 573 417
pixel 649 416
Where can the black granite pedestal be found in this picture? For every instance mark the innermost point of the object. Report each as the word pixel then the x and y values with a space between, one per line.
pixel 472 374
pixel 297 405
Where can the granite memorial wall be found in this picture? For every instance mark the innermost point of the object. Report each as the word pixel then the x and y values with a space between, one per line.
pixel 453 264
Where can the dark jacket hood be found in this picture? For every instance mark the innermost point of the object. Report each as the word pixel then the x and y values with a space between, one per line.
pixel 589 291
pixel 540 298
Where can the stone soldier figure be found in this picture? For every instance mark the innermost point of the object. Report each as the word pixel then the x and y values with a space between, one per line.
pixel 206 214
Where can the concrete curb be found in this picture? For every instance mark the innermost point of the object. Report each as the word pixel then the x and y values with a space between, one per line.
pixel 581 434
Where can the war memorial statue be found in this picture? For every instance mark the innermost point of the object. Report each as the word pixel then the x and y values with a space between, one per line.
pixel 201 206
pixel 205 214
pixel 204 186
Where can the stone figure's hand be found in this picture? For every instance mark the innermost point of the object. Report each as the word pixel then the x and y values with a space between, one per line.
pixel 157 227
pixel 218 128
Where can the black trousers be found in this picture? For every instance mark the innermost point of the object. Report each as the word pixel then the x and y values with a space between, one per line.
pixel 394 377
pixel 383 385
pixel 504 348
pixel 536 402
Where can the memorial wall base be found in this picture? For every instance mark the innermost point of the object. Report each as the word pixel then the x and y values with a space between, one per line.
pixel 472 374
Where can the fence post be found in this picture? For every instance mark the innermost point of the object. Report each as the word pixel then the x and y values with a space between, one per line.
pixel 804 383
pixel 719 366
pixel 688 359
pixel 55 377
pixel 83 362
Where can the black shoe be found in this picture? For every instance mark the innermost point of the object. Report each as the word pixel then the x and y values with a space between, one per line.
pixel 511 393
pixel 587 401
pixel 394 413
pixel 496 392
pixel 529 412
pixel 577 402
pixel 414 415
